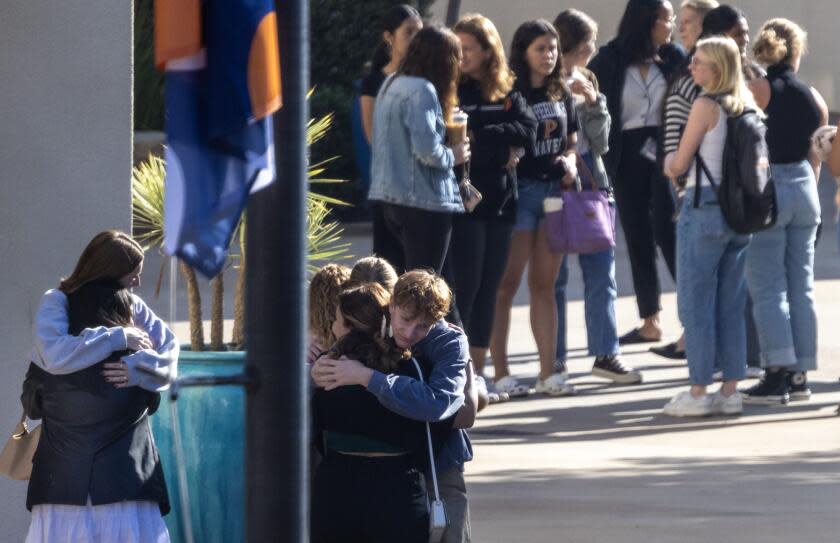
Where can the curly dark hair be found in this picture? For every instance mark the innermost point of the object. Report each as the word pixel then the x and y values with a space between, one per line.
pixel 524 36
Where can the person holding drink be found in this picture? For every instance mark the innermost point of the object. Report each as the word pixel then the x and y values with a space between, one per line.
pixel 499 121
pixel 412 173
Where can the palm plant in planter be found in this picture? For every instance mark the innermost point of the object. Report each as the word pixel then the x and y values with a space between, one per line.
pixel 323 235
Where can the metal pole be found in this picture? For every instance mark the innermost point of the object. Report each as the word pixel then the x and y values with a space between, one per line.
pixel 452 11
pixel 276 418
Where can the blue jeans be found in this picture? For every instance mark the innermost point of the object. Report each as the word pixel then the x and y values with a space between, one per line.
pixel 599 293
pixel 711 291
pixel 780 272
pixel 529 205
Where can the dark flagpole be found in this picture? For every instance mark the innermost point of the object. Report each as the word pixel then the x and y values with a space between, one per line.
pixel 452 11
pixel 276 421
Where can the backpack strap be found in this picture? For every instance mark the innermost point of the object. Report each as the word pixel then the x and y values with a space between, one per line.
pixel 700 164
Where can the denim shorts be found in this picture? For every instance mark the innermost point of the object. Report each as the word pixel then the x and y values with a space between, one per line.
pixel 529 206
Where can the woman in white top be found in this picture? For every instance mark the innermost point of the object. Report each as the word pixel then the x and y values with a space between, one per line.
pixel 111 256
pixel 711 289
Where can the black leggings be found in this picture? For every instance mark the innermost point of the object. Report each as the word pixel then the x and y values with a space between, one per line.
pixel 386 244
pixel 358 499
pixel 423 235
pixel 478 255
pixel 646 210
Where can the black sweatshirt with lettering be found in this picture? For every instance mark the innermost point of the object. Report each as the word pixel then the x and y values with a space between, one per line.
pixel 496 127
pixel 557 120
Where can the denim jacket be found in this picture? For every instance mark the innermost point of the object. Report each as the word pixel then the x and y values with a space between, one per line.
pixel 437 399
pixel 411 166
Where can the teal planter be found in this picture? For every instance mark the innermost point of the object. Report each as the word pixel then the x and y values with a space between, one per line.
pixel 212 423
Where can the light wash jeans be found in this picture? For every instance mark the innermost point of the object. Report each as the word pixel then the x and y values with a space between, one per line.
pixel 599 293
pixel 711 291
pixel 780 272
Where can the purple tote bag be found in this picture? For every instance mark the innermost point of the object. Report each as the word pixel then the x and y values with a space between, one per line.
pixel 584 223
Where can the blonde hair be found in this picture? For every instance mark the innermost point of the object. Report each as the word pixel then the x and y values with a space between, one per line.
pixel 497 80
pixel 779 42
pixel 374 269
pixel 700 6
pixel 421 293
pixel 324 289
pixel 729 86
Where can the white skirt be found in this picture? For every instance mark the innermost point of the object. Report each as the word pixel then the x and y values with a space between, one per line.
pixel 124 522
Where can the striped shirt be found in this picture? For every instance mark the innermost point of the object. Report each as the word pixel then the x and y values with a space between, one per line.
pixel 677 107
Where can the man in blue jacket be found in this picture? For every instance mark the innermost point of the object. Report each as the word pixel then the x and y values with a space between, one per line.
pixel 420 301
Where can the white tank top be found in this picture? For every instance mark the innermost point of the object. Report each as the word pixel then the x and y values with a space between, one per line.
pixel 711 150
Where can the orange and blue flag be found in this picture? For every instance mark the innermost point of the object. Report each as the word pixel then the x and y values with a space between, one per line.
pixel 222 77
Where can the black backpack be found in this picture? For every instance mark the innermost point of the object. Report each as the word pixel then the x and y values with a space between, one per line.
pixel 746 193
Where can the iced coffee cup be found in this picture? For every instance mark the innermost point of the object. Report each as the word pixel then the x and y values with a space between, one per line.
pixel 456 128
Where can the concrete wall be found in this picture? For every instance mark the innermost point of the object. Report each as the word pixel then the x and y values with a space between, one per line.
pixel 65 167
pixel 819 17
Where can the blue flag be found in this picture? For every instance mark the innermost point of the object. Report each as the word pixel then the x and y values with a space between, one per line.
pixel 222 78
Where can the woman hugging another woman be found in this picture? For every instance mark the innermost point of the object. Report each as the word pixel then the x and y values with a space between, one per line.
pixel 370 485
pixel 96 474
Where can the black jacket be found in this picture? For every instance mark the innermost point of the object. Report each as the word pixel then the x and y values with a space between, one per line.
pixel 610 67
pixel 496 127
pixel 96 441
pixel 354 410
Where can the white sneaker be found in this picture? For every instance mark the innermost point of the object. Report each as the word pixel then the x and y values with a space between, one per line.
pixel 510 386
pixel 686 405
pixel 721 405
pixel 717 376
pixel 556 385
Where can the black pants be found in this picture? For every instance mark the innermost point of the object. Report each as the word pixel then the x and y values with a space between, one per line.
pixel 369 500
pixel 646 210
pixel 385 244
pixel 478 254
pixel 423 235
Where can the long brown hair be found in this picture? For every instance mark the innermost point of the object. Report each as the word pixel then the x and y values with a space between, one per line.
pixel 98 303
pixel 497 79
pixel 110 256
pixel 365 311
pixel 434 54
pixel 524 36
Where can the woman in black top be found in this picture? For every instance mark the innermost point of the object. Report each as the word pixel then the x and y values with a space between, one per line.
pixel 537 63
pixel 96 474
pixel 780 260
pixel 369 486
pixel 499 123
pixel 632 70
pixel 399 25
